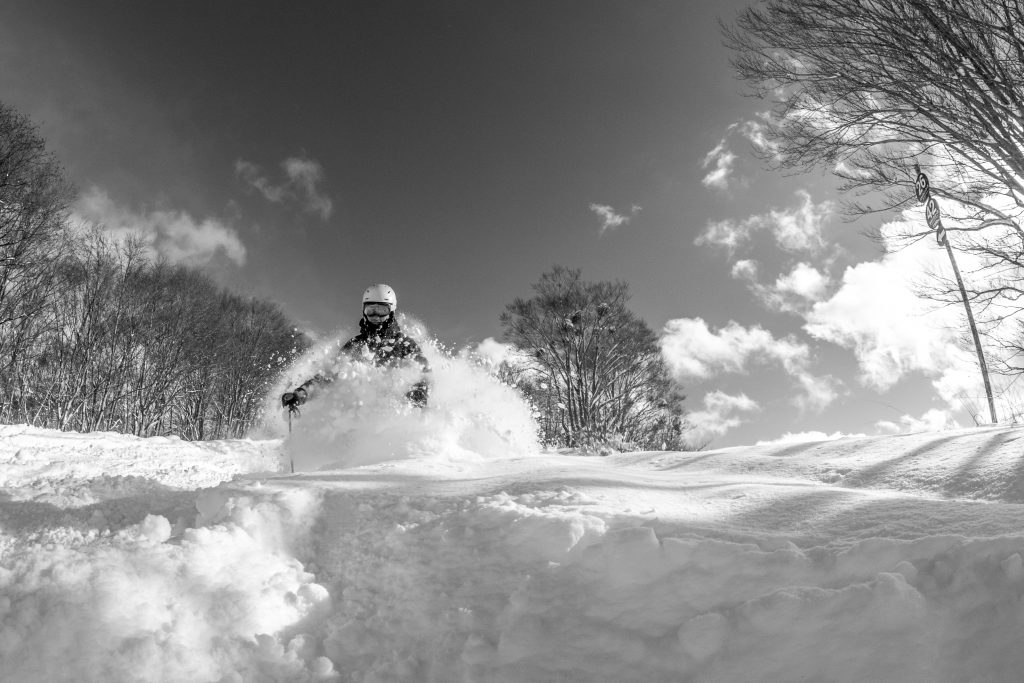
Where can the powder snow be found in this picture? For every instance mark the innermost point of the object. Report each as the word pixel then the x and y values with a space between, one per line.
pixel 447 546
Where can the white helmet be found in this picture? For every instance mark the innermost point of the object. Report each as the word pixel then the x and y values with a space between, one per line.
pixel 380 294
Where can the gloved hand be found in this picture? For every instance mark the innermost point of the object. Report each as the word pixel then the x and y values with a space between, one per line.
pixel 291 399
pixel 418 394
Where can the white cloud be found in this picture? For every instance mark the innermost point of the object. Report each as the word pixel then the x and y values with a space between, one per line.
pixel 306 174
pixel 175 235
pixel 935 420
pixel 610 219
pixel 303 177
pixel 792 292
pixel 846 170
pixel 253 175
pixel 819 392
pixel 729 233
pixel 693 351
pixel 800 229
pixel 719 415
pixel 797 229
pixel 722 159
pixel 894 332
pixel 804 281
pixel 756 133
pixel 745 269
pixel 891 330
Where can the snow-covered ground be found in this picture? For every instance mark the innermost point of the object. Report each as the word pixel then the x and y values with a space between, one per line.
pixel 461 554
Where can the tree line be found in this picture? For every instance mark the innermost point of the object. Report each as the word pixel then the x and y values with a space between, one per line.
pixel 96 334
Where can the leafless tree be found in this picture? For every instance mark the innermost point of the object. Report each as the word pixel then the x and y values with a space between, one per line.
pixel 34 195
pixel 868 89
pixel 97 335
pixel 593 369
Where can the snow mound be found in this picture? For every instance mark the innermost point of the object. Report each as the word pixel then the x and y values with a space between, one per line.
pixel 881 559
pixel 49 460
pixel 135 605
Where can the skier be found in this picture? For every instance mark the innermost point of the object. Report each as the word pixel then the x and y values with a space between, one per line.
pixel 380 340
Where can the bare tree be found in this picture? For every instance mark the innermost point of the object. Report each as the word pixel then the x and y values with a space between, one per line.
pixel 871 89
pixel 34 196
pixel 593 369
pixel 95 334
pixel 256 342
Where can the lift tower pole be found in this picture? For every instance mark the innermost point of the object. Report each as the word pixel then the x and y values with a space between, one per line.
pixel 931 213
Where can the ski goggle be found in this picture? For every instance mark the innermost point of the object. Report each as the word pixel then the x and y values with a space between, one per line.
pixel 376 309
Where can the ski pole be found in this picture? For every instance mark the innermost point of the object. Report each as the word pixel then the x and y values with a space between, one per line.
pixel 290 454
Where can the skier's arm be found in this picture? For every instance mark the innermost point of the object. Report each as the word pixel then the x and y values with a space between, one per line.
pixel 296 397
pixel 301 394
pixel 421 390
pixel 303 391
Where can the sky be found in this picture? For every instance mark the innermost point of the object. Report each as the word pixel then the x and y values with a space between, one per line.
pixel 458 150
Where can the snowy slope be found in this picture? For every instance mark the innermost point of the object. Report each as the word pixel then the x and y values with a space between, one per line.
pixel 875 559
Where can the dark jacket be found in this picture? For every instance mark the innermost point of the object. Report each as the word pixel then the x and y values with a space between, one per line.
pixel 387 346
pixel 387 343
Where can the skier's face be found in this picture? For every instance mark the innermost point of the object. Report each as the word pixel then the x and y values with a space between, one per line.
pixel 376 313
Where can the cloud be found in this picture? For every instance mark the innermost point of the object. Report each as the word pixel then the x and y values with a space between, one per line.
pixel 894 332
pixel 846 170
pixel 722 159
pixel 891 330
pixel 303 177
pixel 610 220
pixel 692 351
pixel 253 175
pixel 800 229
pixel 819 392
pixel 804 281
pixel 935 420
pixel 729 233
pixel 796 230
pixel 756 132
pixel 719 415
pixel 793 292
pixel 175 235
pixel 745 269
pixel 306 174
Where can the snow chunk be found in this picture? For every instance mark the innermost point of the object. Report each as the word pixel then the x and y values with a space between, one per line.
pixel 155 529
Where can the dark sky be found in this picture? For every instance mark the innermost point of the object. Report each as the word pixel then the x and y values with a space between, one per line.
pixel 455 150
pixel 462 142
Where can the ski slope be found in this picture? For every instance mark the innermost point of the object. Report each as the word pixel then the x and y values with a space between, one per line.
pixel 894 558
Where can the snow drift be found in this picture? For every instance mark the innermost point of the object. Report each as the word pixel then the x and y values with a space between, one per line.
pixel 362 416
pixel 885 558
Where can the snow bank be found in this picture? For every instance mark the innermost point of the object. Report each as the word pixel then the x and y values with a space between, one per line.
pixel 73 468
pixel 882 559
pixel 114 568
pixel 553 584
pixel 207 603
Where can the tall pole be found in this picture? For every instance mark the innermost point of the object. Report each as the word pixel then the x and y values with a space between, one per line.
pixel 923 191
